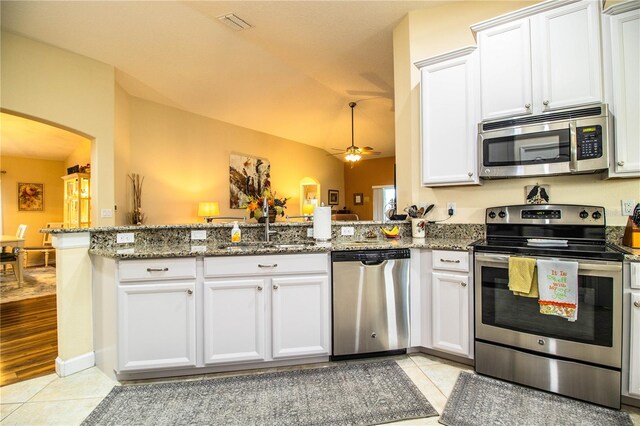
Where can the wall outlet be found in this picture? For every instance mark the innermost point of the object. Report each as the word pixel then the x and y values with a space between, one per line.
pixel 627 207
pixel 310 232
pixel 106 213
pixel 124 237
pixel 347 230
pixel 451 209
pixel 199 234
pixel 198 249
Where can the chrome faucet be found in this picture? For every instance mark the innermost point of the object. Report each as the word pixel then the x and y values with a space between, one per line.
pixel 265 213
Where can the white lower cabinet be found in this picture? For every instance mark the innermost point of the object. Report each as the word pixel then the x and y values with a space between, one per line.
pixel 234 320
pixel 266 308
pixel 446 320
pixel 300 316
pixel 634 356
pixel 157 316
pixel 450 314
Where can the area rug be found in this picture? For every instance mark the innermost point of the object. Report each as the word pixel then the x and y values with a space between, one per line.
pixel 345 394
pixel 480 400
pixel 38 281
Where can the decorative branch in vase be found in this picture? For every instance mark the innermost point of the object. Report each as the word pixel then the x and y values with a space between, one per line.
pixel 136 216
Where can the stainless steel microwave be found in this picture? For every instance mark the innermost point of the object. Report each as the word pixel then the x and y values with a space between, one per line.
pixel 567 141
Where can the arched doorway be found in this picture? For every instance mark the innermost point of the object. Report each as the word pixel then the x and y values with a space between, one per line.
pixel 34 156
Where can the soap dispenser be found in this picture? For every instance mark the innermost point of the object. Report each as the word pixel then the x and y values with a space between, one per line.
pixel 236 235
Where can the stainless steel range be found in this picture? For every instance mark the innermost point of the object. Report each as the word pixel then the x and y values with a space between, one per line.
pixel 513 340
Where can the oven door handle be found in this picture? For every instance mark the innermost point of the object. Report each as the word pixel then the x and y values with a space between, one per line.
pixel 582 265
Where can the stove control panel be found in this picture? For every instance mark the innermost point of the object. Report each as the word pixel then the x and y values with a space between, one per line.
pixel 538 214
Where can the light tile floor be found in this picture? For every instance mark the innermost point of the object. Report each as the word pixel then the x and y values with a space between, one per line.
pixel 51 400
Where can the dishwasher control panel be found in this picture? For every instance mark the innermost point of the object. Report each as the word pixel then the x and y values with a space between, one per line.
pixel 370 255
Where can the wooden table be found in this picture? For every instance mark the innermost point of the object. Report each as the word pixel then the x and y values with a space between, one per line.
pixel 13 241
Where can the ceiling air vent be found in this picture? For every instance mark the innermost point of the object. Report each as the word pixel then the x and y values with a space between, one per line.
pixel 234 22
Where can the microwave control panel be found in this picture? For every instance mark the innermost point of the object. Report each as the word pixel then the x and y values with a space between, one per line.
pixel 589 142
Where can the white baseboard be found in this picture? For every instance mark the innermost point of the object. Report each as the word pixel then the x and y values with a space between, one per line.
pixel 74 365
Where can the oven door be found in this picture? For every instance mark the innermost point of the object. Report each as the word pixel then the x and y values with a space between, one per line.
pixel 516 321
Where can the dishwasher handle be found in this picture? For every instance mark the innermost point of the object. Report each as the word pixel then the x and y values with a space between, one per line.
pixel 372 262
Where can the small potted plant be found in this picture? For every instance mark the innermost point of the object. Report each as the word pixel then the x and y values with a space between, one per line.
pixel 255 206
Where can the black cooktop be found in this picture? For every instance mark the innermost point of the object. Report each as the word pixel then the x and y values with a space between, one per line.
pixel 573 249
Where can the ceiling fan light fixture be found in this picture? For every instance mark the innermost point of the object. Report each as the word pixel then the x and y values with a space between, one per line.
pixel 234 22
pixel 352 157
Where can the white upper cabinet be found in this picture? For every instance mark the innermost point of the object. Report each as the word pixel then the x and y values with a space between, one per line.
pixel 505 70
pixel 540 59
pixel 622 52
pixel 449 118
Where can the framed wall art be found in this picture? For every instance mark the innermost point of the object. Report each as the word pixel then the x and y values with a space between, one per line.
pixel 357 199
pixel 333 197
pixel 248 177
pixel 30 197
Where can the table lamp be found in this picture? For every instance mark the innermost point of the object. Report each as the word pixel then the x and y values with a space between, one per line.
pixel 208 210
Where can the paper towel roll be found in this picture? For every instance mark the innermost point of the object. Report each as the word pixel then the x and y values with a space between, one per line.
pixel 322 223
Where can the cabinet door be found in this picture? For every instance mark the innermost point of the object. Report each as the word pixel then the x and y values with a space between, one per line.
pixel 449 118
pixel 450 313
pixel 157 326
pixel 234 320
pixel 566 56
pixel 505 70
pixel 300 315
pixel 625 50
pixel 634 356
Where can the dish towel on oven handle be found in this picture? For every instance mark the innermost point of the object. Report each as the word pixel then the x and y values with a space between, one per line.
pixel 523 280
pixel 558 288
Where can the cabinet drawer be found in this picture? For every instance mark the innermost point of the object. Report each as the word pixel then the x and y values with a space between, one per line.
pixel 156 269
pixel 266 265
pixel 451 260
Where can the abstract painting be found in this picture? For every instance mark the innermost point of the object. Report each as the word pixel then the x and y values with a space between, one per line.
pixel 30 197
pixel 248 177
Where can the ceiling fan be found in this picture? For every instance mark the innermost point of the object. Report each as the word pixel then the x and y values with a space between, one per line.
pixel 353 153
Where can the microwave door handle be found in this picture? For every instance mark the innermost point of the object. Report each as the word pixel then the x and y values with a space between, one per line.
pixel 573 143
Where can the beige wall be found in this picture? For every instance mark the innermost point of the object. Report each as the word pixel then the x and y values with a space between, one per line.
pixel 122 156
pixel 81 156
pixel 30 170
pixel 361 178
pixel 184 159
pixel 427 33
pixel 67 90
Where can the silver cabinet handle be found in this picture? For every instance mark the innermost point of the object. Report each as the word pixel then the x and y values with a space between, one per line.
pixel 275 265
pixel 527 106
pixel 157 269
pixel 545 103
pixel 636 303
pixel 450 261
pixel 189 291
pixel 259 288
pixel 463 284
pixel 620 163
pixel 470 174
pixel 275 287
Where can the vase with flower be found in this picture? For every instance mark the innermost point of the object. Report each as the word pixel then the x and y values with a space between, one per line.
pixel 255 206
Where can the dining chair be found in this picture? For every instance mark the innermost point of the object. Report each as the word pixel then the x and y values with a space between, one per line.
pixel 46 248
pixel 11 257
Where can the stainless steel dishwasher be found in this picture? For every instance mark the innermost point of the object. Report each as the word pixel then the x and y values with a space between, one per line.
pixel 370 301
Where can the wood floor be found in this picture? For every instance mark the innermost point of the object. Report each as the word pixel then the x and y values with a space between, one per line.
pixel 28 339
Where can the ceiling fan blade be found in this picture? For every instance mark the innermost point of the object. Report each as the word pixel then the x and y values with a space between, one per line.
pixel 366 148
pixel 370 153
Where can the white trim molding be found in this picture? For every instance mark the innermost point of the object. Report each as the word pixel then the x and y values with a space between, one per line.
pixel 74 365
pixel 520 14
pixel 624 7
pixel 445 56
